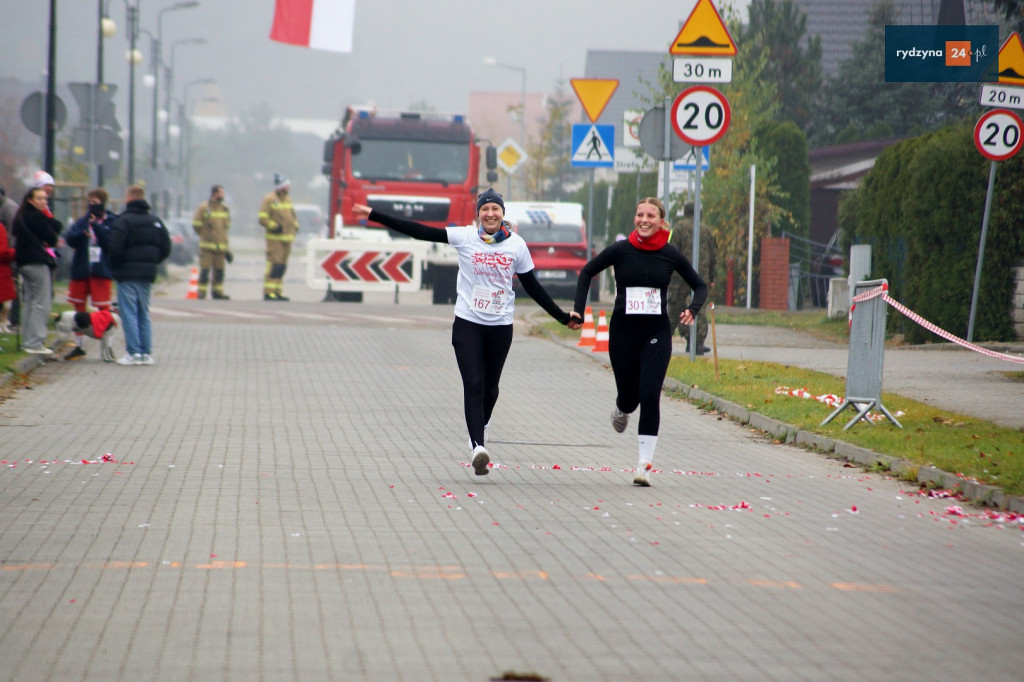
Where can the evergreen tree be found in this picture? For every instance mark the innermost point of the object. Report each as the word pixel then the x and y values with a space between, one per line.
pixel 1013 13
pixel 787 144
pixel 860 104
pixel 793 59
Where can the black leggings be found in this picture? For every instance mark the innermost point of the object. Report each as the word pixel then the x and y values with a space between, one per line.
pixel 640 350
pixel 480 351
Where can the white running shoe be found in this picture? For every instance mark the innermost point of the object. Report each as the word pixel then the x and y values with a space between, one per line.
pixel 130 359
pixel 620 420
pixel 42 350
pixel 145 359
pixel 642 477
pixel 480 460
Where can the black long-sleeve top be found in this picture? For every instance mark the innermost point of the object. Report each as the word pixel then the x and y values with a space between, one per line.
pixel 639 268
pixel 34 232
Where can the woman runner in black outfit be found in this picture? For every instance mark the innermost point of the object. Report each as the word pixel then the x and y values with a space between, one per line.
pixel 639 333
pixel 489 255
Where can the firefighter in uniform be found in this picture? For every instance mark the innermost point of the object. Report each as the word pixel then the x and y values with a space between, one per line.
pixel 678 291
pixel 212 222
pixel 277 216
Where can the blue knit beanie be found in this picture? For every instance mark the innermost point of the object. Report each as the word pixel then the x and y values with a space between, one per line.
pixel 489 196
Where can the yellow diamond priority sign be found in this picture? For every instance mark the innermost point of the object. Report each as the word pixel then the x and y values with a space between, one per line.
pixel 511 156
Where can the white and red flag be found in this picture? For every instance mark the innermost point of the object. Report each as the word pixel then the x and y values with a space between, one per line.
pixel 319 24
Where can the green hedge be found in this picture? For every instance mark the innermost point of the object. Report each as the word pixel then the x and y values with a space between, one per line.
pixel 920 208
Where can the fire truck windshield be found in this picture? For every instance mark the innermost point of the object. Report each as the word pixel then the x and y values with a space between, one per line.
pixel 411 161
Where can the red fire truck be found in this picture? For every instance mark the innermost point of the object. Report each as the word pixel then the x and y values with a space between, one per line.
pixel 425 167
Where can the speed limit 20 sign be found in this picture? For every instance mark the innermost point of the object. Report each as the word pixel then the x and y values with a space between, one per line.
pixel 997 134
pixel 700 115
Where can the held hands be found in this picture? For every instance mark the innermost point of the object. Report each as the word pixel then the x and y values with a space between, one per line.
pixel 686 317
pixel 575 321
pixel 361 211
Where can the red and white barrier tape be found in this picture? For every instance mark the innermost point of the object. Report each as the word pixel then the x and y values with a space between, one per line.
pixel 882 291
pixel 830 399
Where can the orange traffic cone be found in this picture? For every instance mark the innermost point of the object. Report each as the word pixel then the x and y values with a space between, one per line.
pixel 601 344
pixel 193 285
pixel 587 336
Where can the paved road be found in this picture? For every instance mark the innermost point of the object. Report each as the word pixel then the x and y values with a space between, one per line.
pixel 291 500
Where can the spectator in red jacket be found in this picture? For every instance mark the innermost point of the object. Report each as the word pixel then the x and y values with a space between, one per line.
pixel 8 292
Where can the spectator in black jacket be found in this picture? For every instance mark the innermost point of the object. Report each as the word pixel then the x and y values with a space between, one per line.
pixel 138 243
pixel 35 232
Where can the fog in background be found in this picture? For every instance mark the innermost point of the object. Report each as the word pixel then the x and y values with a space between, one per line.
pixel 404 54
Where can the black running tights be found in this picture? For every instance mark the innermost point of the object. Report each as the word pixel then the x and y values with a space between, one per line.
pixel 639 351
pixel 480 351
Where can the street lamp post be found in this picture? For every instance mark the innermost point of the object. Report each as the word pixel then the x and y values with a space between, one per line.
pixel 157 63
pixel 106 30
pixel 491 61
pixel 184 146
pixel 50 134
pixel 133 59
pixel 169 82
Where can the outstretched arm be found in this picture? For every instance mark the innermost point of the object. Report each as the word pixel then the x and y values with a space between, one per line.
pixel 407 227
pixel 538 293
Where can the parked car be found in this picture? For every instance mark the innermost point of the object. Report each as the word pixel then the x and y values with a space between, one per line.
pixel 557 238
pixel 312 223
pixel 184 241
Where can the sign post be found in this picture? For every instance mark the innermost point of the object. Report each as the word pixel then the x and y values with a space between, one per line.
pixel 700 114
pixel 593 140
pixel 997 135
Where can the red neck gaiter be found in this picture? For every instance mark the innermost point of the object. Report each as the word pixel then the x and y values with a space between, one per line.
pixel 652 243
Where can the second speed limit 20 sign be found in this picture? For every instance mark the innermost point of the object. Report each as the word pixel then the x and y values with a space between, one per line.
pixel 997 134
pixel 700 115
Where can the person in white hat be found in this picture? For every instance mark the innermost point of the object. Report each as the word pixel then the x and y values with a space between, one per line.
pixel 277 216
pixel 42 179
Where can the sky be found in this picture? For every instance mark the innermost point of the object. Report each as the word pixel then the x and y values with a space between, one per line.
pixel 405 52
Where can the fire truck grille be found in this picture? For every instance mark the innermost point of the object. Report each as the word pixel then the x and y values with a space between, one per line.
pixel 420 211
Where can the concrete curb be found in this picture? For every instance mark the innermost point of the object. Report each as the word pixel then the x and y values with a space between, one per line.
pixel 977 493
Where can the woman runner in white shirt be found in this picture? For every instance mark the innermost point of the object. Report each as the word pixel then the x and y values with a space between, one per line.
pixel 489 255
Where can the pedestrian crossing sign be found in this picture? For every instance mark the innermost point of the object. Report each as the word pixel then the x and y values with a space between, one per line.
pixel 592 146
pixel 689 162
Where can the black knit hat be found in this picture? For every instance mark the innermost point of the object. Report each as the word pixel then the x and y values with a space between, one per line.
pixel 489 196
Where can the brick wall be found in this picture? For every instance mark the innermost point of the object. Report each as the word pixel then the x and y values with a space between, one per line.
pixel 774 274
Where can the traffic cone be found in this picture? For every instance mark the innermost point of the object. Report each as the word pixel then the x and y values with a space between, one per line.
pixel 587 336
pixel 601 344
pixel 193 285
